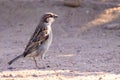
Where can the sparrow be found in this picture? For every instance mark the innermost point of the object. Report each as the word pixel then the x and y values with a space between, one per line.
pixel 41 39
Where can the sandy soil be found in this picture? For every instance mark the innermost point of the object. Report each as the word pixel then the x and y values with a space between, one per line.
pixel 86 43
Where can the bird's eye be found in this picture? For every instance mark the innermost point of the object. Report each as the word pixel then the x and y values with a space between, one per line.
pixel 51 15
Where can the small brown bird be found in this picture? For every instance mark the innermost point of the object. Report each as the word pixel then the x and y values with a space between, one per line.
pixel 40 40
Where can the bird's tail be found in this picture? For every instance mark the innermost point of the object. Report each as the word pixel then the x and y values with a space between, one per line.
pixel 10 62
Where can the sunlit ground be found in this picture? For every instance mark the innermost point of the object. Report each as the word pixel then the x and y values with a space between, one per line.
pixel 73 55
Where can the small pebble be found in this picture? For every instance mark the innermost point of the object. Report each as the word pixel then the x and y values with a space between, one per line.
pixel 118 45
pixel 100 78
pixel 48 66
pixel 99 47
pixel 20 24
pixel 78 51
pixel 34 75
pixel 60 50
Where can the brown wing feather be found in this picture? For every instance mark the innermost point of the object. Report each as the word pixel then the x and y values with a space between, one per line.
pixel 36 40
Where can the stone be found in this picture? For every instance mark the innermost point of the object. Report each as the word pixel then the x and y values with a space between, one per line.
pixel 72 3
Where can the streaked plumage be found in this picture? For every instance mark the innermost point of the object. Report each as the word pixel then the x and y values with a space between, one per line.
pixel 40 40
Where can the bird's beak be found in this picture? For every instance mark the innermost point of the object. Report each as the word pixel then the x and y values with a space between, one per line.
pixel 55 16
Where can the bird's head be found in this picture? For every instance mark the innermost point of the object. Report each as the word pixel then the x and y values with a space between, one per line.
pixel 49 17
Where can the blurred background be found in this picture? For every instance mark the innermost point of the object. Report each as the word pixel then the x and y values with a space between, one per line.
pixel 86 39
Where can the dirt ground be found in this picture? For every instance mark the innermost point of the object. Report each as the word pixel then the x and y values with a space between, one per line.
pixel 86 43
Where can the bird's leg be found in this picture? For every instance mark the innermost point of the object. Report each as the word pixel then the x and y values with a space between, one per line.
pixel 43 61
pixel 35 62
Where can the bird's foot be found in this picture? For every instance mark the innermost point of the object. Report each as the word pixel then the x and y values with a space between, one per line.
pixel 11 68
